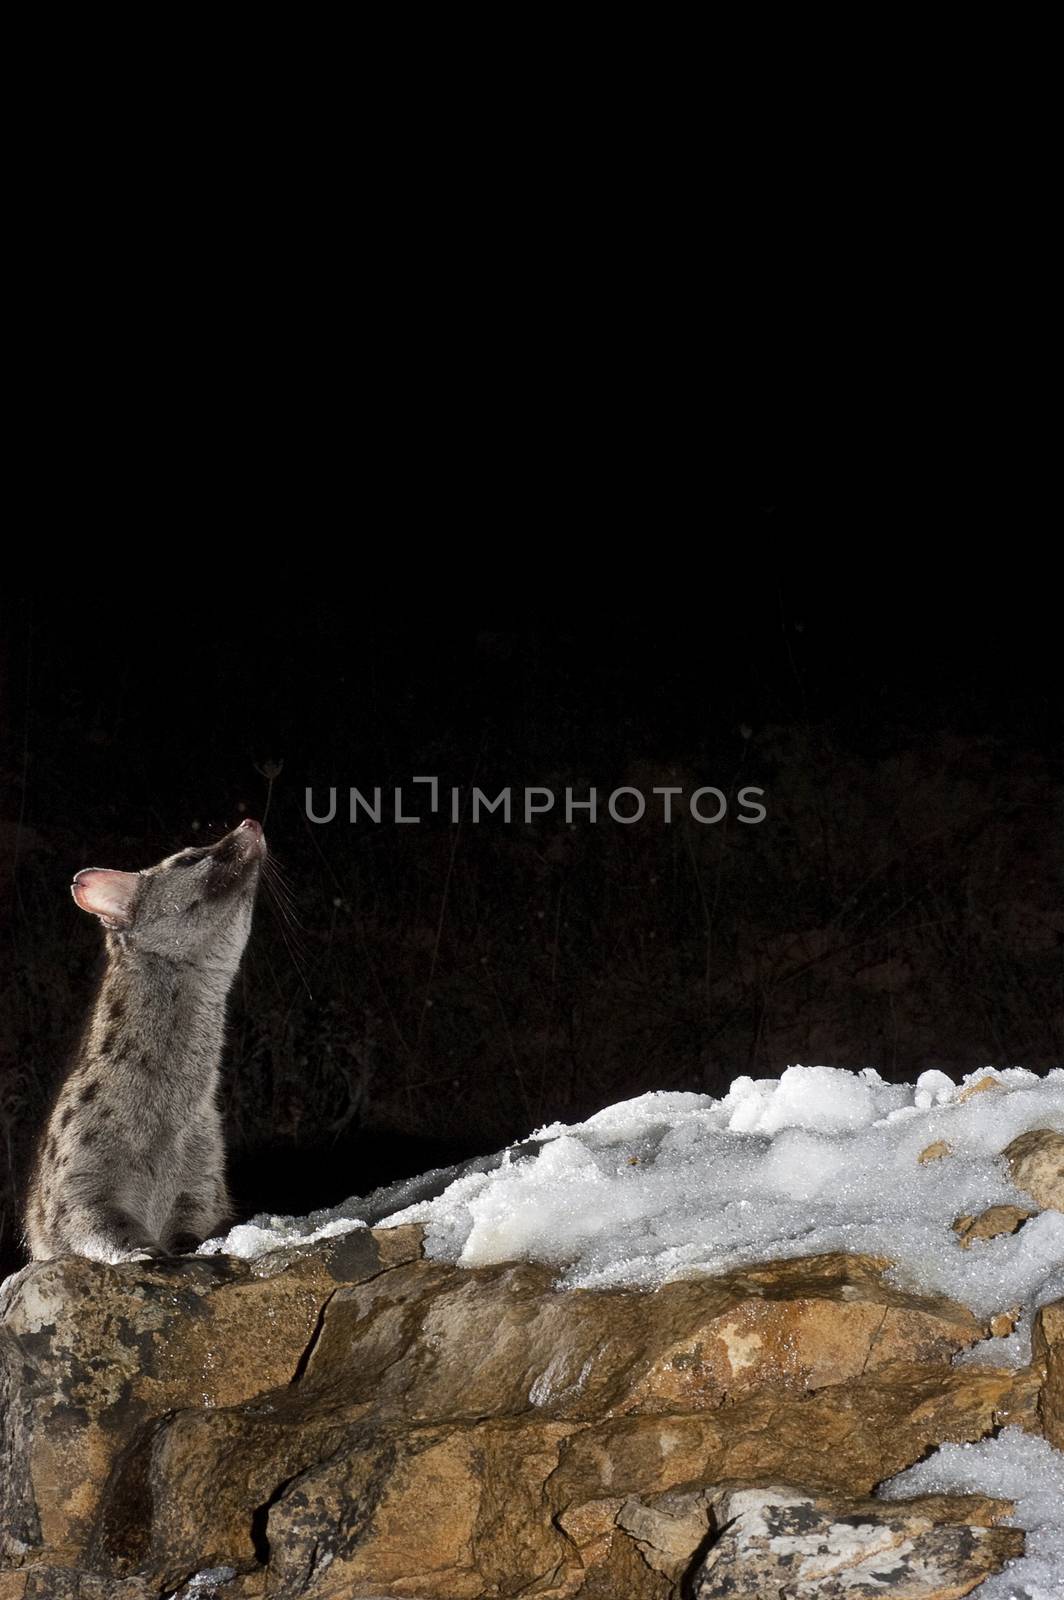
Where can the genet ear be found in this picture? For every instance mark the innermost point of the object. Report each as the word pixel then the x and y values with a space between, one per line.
pixel 108 895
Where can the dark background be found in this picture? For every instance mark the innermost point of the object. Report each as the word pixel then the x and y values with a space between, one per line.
pixel 443 990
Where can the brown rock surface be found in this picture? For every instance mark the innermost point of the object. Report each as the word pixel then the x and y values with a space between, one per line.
pixel 109 1348
pixel 1036 1162
pixel 1048 1342
pixel 62 1583
pixel 437 1342
pixel 669 1529
pixel 348 1419
pixel 990 1223
pixel 846 1438
pixel 987 1085
pixel 1002 1323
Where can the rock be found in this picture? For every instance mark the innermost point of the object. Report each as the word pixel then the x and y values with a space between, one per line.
pixel 784 1542
pixel 99 1351
pixel 436 1341
pixel 1036 1163
pixel 348 1419
pixel 623 1575
pixel 1003 1322
pixel 62 1583
pixel 990 1223
pixel 847 1438
pixel 985 1085
pixel 669 1528
pixel 445 1513
pixel 218 1583
pixel 934 1152
pixel 1048 1343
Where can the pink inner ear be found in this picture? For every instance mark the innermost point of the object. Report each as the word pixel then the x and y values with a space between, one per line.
pixel 109 895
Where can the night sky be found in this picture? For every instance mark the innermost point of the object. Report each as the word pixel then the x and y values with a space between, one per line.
pixel 443 989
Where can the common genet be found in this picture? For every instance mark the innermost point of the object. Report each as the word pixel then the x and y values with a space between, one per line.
pixel 131 1164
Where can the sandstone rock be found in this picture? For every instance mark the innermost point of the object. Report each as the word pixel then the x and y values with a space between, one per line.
pixel 89 1354
pixel 782 1542
pixel 846 1438
pixel 1003 1322
pixel 1048 1342
pixel 987 1085
pixel 440 1513
pixel 623 1575
pixel 669 1529
pixel 61 1583
pixel 438 1342
pixel 934 1152
pixel 227 1463
pixel 990 1223
pixel 351 1420
pixel 592 1527
pixel 1036 1162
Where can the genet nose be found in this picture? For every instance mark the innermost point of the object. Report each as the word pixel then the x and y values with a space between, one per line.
pixel 252 839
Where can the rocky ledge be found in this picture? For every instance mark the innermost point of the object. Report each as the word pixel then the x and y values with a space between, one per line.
pixel 350 1419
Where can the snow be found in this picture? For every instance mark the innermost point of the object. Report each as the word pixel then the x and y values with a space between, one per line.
pixel 682 1185
pixel 675 1185
pixel 1014 1350
pixel 1013 1466
pixel 253 1239
pixel 205 1585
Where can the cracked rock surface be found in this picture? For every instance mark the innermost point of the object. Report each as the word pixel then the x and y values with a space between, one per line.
pixel 348 1419
pixel 782 1544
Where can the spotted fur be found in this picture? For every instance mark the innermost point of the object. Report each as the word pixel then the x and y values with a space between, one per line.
pixel 131 1163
